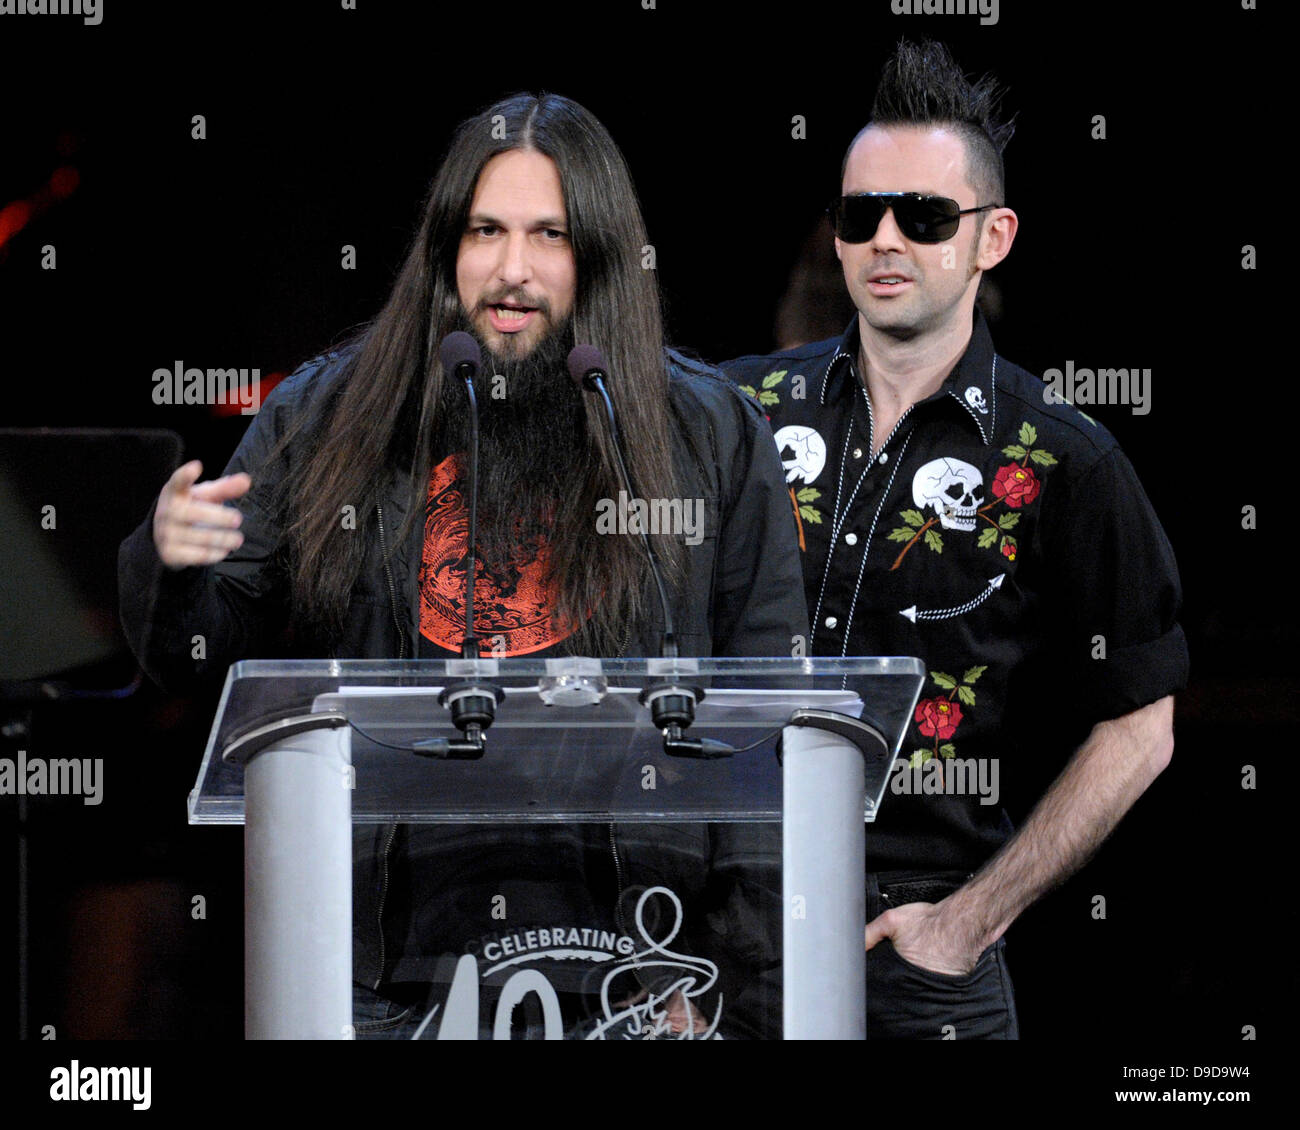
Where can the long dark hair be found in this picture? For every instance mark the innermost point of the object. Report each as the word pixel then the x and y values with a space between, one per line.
pixel 380 418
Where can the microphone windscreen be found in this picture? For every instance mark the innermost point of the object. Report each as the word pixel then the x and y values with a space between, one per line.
pixel 459 348
pixel 586 359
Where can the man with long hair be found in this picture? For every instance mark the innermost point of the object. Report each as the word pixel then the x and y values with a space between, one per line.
pixel 950 506
pixel 350 533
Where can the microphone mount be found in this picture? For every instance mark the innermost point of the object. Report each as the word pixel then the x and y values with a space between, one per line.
pixel 672 709
pixel 473 705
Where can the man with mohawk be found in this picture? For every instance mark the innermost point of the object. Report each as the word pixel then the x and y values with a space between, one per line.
pixel 949 506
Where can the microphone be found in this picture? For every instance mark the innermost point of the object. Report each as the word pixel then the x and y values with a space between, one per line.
pixel 672 704
pixel 472 704
pixel 587 366
pixel 460 355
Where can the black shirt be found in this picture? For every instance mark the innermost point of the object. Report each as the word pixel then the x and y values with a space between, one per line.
pixel 1003 539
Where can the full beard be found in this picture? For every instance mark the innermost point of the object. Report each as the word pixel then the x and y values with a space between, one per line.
pixel 534 453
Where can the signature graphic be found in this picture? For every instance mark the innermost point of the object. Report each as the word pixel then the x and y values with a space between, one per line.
pixel 669 1013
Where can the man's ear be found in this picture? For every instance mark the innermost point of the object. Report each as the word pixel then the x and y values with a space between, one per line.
pixel 838 249
pixel 997 237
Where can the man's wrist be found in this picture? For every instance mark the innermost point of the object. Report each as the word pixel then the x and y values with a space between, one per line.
pixel 967 914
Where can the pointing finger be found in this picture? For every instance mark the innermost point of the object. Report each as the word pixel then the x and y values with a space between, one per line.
pixel 225 488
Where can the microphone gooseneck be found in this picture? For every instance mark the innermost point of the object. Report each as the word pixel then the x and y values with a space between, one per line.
pixel 587 368
pixel 472 702
pixel 671 702
pixel 463 358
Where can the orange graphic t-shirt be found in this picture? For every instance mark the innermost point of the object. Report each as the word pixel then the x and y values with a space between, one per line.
pixel 512 603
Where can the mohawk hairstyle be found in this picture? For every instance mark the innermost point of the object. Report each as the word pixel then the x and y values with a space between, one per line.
pixel 922 85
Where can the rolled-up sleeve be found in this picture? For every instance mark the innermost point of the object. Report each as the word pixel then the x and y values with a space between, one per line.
pixel 1115 592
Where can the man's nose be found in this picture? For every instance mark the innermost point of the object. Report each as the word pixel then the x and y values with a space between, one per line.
pixel 515 265
pixel 888 237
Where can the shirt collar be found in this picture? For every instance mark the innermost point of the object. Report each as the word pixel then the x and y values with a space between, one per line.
pixel 972 382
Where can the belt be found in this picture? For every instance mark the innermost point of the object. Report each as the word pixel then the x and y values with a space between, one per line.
pixel 922 888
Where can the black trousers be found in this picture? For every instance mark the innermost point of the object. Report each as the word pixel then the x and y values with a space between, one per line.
pixel 906 1002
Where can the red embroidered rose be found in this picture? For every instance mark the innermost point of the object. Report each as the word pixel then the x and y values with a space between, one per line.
pixel 937 717
pixel 1017 486
pixel 1008 551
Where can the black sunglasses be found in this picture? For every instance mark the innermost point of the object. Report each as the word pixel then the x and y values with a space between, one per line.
pixel 923 219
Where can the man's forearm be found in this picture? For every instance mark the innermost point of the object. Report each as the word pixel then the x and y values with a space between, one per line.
pixel 1102 780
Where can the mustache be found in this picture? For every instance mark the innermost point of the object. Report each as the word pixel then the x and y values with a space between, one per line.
pixel 514 295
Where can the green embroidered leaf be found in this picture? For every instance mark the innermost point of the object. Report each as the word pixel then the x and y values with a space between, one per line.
pixel 774 379
pixel 913 518
pixel 902 533
pixel 933 540
pixel 808 494
pixel 1014 451
pixel 1007 521
pixel 919 757
pixel 768 398
pixel 947 750
pixel 1028 435
pixel 1009 540
pixel 973 673
pixel 966 695
pixel 749 389
pixel 987 537
pixel 945 681
pixel 1043 458
pixel 811 515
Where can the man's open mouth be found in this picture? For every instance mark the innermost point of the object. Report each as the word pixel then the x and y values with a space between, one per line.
pixel 509 316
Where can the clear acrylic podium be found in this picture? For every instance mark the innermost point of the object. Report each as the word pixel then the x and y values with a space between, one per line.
pixel 300 750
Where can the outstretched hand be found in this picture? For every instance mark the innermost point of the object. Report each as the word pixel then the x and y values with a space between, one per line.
pixel 190 524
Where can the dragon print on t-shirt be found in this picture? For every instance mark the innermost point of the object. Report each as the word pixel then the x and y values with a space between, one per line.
pixel 512 600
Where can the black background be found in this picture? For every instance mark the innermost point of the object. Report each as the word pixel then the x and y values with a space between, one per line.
pixel 324 127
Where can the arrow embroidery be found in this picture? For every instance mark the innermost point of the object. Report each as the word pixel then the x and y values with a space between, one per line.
pixel 948 613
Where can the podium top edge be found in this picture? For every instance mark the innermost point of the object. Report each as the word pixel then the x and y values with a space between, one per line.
pixel 730 665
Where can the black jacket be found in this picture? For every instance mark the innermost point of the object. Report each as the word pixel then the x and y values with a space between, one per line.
pixel 742 596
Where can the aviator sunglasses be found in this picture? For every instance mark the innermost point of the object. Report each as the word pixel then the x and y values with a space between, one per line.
pixel 922 219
